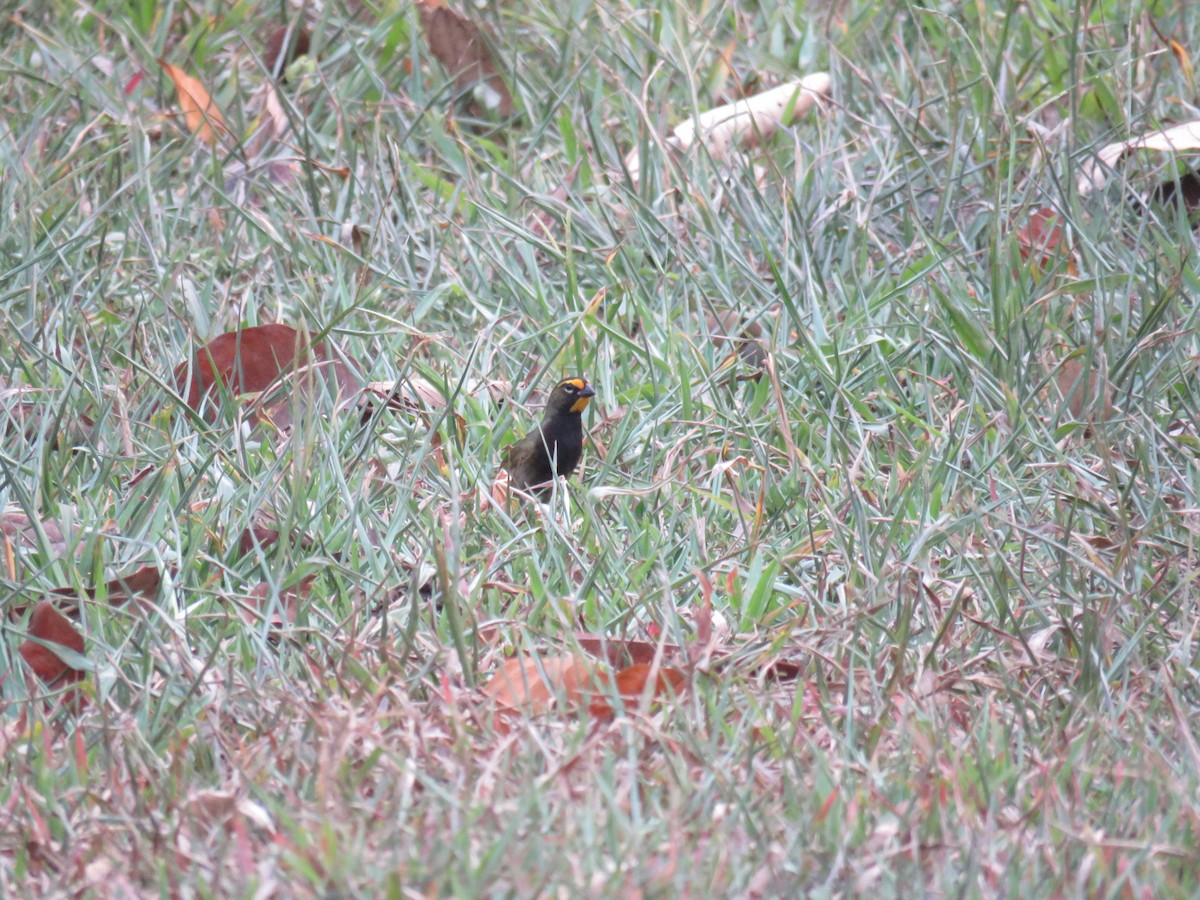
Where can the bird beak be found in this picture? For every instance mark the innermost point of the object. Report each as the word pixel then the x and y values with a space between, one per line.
pixel 585 395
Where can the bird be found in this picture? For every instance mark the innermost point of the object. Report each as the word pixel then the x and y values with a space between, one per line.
pixel 555 446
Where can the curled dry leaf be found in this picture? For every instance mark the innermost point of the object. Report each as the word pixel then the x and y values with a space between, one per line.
pixel 755 118
pixel 32 412
pixel 459 45
pixel 624 652
pixel 254 359
pixel 1085 389
pixel 23 532
pixel 256 536
pixel 212 808
pixel 203 118
pixel 1042 242
pixel 48 624
pixel 1094 173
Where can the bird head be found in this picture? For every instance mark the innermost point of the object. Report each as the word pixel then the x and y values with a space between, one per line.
pixel 570 396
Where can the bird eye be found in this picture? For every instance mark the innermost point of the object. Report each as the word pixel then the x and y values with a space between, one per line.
pixel 571 388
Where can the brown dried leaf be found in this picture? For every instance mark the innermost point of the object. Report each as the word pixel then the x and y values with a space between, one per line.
pixel 22 532
pixel 265 356
pixel 48 624
pixel 745 337
pixel 623 652
pixel 1042 242
pixel 283 47
pixel 203 118
pixel 533 684
pixel 459 45
pixel 259 604
pixel 1088 395
pixel 631 683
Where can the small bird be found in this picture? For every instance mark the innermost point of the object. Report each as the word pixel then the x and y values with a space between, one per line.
pixel 555 446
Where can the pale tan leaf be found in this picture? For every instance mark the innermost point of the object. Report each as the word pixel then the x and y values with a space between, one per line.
pixel 1094 173
pixel 755 118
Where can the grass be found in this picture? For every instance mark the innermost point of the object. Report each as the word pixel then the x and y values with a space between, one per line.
pixel 985 604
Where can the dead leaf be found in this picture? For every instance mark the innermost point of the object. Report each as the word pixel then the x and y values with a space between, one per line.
pixel 254 536
pixel 459 45
pixel 203 118
pixel 1089 394
pixel 22 532
pixel 49 625
pixel 254 359
pixel 209 808
pixel 1042 242
pixel 259 604
pixel 745 337
pixel 631 684
pixel 534 684
pixel 283 47
pixel 623 652
pixel 744 121
pixel 1094 173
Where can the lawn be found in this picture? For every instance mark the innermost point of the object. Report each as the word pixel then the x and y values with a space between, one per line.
pixel 892 466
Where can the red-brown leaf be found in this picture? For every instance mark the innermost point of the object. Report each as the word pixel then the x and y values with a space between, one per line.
pixel 252 360
pixel 631 683
pixel 284 46
pixel 1041 241
pixel 458 44
pixel 48 624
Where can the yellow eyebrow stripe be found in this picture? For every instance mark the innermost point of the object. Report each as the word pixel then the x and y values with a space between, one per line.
pixel 578 383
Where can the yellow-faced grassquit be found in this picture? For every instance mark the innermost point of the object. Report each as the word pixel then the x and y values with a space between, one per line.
pixel 555 446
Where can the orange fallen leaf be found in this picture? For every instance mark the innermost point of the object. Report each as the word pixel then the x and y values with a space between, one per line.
pixel 48 624
pixel 533 684
pixel 631 684
pixel 203 118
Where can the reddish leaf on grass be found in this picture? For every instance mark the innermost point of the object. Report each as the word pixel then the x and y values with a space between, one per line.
pixel 623 652
pixel 254 359
pixel 254 536
pixel 203 118
pixel 631 684
pixel 284 46
pixel 1042 242
pixel 259 604
pixel 144 582
pixel 827 805
pixel 534 683
pixel 48 624
pixel 458 44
